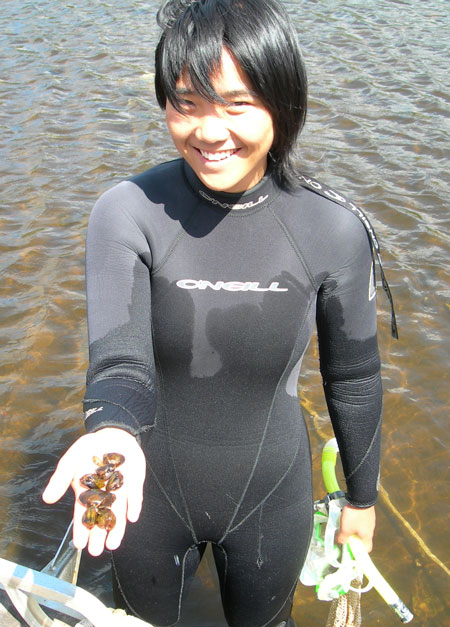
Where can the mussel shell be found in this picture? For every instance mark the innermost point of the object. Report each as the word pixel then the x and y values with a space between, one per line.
pixel 105 471
pixel 92 481
pixel 113 458
pixel 89 517
pixel 98 498
pixel 105 518
pixel 115 481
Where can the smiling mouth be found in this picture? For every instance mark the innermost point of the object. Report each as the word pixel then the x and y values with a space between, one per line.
pixel 222 155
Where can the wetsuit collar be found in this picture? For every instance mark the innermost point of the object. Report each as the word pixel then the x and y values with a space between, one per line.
pixel 252 199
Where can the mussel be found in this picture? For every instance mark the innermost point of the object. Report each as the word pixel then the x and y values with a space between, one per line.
pixel 109 458
pixel 92 481
pixel 89 517
pixel 115 481
pixel 105 471
pixel 105 518
pixel 97 498
pixel 113 458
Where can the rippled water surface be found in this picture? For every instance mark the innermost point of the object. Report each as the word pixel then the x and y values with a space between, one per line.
pixel 78 113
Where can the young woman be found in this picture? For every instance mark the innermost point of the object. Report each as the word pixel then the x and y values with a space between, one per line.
pixel 205 278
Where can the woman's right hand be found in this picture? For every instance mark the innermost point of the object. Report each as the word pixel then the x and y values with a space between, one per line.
pixel 78 461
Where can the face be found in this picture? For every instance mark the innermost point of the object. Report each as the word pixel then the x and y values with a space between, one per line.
pixel 225 144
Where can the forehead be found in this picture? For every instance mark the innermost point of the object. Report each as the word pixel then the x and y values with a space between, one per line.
pixel 228 78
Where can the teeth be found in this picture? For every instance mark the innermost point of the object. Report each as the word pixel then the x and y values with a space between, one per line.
pixel 217 156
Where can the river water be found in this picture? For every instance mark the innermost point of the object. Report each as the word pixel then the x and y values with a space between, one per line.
pixel 78 113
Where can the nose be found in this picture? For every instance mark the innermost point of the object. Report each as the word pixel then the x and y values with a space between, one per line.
pixel 211 128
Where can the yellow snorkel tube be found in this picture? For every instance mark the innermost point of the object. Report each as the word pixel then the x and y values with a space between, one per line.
pixel 357 549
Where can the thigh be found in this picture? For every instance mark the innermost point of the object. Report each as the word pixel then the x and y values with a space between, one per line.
pixel 259 562
pixel 155 563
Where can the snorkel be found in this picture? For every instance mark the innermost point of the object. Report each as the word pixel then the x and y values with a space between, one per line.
pixel 332 569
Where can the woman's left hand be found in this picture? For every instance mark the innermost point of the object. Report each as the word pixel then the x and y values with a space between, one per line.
pixel 357 522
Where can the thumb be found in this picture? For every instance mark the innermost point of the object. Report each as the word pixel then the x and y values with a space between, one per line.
pixel 342 538
pixel 59 482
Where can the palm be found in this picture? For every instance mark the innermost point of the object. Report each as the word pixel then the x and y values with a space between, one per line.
pixel 78 461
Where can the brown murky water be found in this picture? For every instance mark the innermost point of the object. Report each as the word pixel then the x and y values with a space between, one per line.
pixel 77 113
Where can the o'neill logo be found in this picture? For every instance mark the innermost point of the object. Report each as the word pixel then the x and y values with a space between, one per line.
pixel 229 286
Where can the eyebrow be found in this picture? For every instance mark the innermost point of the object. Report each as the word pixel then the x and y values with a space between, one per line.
pixel 227 95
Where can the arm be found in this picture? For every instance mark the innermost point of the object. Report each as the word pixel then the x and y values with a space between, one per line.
pixel 350 367
pixel 120 399
pixel 120 385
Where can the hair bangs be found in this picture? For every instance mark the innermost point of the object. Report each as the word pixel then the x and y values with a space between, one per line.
pixel 191 48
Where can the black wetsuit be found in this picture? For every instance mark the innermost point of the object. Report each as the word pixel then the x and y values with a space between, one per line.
pixel 200 307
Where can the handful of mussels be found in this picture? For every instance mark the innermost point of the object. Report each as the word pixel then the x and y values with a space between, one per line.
pixel 99 498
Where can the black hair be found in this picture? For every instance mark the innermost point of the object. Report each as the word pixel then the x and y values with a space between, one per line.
pixel 259 35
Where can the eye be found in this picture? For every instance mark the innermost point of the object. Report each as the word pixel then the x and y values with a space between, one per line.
pixel 186 104
pixel 238 105
pixel 183 106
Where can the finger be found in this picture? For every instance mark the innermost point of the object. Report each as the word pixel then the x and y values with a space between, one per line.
pixel 342 538
pixel 59 482
pixel 116 534
pixel 96 542
pixel 134 505
pixel 135 488
pixel 80 532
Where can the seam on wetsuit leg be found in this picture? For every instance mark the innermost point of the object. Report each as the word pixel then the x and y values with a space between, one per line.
pixel 289 596
pixel 180 597
pixel 225 571
pixel 266 426
pixel 124 597
pixel 259 559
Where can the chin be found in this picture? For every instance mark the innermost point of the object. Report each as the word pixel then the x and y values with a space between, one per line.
pixel 219 184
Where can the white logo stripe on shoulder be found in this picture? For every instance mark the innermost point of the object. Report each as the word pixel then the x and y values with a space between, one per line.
pixel 372 286
pixel 89 412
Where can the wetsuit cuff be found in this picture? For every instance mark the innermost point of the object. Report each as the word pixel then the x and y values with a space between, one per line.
pixel 358 504
pixel 121 403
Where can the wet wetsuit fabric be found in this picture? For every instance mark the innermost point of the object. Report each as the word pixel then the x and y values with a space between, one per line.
pixel 200 307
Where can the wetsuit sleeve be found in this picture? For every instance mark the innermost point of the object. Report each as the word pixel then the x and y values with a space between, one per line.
pixel 120 388
pixel 350 364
